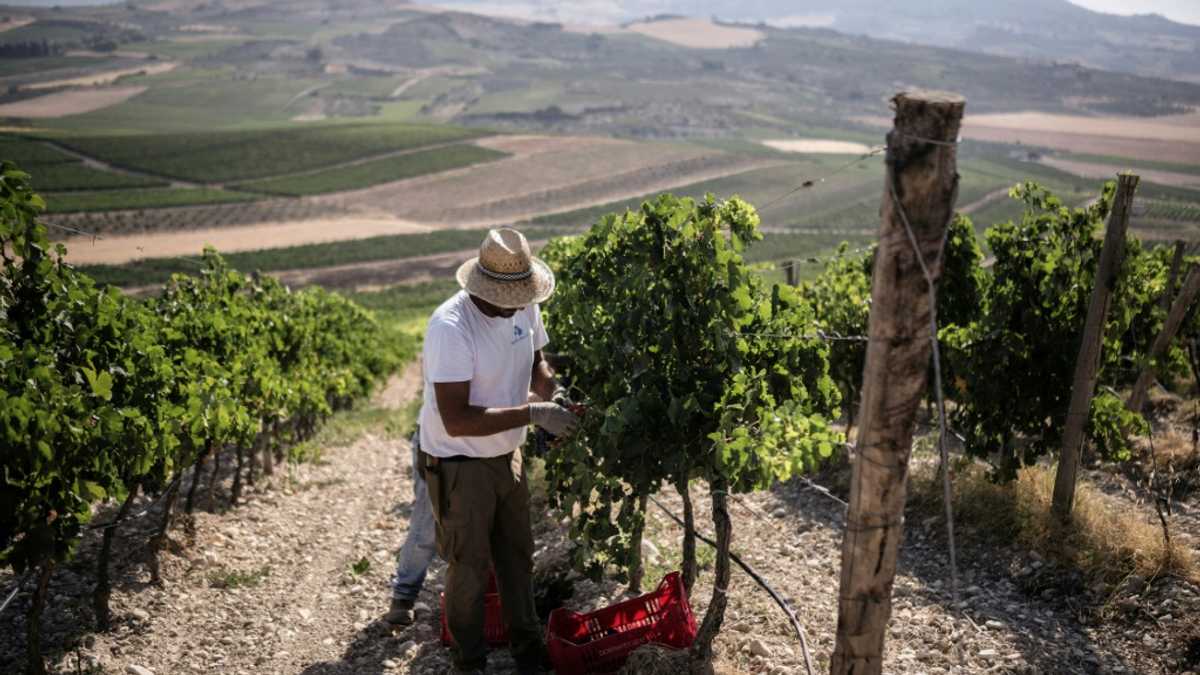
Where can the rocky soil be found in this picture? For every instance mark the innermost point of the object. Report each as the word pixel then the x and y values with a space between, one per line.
pixel 294 580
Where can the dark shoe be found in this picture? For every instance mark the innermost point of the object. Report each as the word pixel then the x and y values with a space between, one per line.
pixel 400 613
pixel 534 666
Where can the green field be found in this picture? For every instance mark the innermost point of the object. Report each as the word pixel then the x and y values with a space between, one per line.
pixel 193 99
pixel 28 153
pixel 1164 209
pixel 391 247
pixel 222 156
pixel 10 67
pixel 370 173
pixel 845 200
pixel 112 200
pixel 49 30
pixel 169 49
pixel 77 176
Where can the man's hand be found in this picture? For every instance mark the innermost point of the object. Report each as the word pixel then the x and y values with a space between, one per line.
pixel 560 397
pixel 553 418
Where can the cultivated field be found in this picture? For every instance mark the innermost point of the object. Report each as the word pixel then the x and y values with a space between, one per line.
pixel 1103 170
pixel 105 77
pixel 70 102
pixel 546 175
pixel 1170 139
pixel 150 222
pixel 222 156
pixel 698 33
pixel 388 169
pixel 119 249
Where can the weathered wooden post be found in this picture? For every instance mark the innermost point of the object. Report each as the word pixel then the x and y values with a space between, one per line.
pixel 921 188
pixel 789 269
pixel 1179 308
pixel 1088 362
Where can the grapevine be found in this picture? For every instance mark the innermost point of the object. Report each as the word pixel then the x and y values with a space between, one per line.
pixel 692 369
pixel 102 395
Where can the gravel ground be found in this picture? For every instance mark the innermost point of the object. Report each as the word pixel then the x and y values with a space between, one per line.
pixel 271 587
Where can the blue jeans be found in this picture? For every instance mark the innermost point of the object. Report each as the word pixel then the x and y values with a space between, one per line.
pixel 420 545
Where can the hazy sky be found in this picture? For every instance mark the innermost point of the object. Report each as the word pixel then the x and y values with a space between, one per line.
pixel 1187 11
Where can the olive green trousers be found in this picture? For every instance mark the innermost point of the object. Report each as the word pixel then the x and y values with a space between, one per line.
pixel 481 509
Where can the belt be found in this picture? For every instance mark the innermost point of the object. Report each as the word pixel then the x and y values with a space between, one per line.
pixel 434 460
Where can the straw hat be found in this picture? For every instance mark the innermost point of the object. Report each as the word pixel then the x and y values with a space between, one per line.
pixel 506 274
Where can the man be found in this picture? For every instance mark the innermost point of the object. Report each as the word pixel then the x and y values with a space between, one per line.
pixel 482 359
pixel 418 550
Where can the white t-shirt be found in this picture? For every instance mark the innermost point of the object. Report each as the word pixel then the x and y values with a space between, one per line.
pixel 495 354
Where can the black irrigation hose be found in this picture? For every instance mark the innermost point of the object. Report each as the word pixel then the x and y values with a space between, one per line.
pixel 157 500
pixel 757 579
pixel 16 589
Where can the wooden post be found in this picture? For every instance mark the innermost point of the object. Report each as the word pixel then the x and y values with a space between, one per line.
pixel 922 177
pixel 1088 362
pixel 789 269
pixel 1179 308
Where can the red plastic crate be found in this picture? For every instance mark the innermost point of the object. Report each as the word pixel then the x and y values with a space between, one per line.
pixel 495 631
pixel 601 641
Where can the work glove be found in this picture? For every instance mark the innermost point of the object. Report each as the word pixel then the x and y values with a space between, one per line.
pixel 554 418
pixel 560 397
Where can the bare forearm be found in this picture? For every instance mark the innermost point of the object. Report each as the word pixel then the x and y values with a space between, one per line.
pixel 480 421
pixel 543 383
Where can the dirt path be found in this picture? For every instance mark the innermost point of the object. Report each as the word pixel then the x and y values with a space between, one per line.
pixel 304 539
pixel 271 588
pixel 994 195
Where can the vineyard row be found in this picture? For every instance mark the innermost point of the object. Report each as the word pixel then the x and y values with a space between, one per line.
pixel 103 396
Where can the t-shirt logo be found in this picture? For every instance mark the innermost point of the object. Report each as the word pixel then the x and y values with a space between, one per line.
pixel 518 334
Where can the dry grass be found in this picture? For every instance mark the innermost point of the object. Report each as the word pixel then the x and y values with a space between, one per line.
pixel 1107 540
pixel 655 659
pixel 652 659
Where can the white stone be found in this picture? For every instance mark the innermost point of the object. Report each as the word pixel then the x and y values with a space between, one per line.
pixel 759 648
pixel 650 551
pixel 988 653
pixel 140 614
pixel 138 670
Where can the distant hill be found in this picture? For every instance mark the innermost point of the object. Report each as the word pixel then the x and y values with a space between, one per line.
pixel 1044 29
